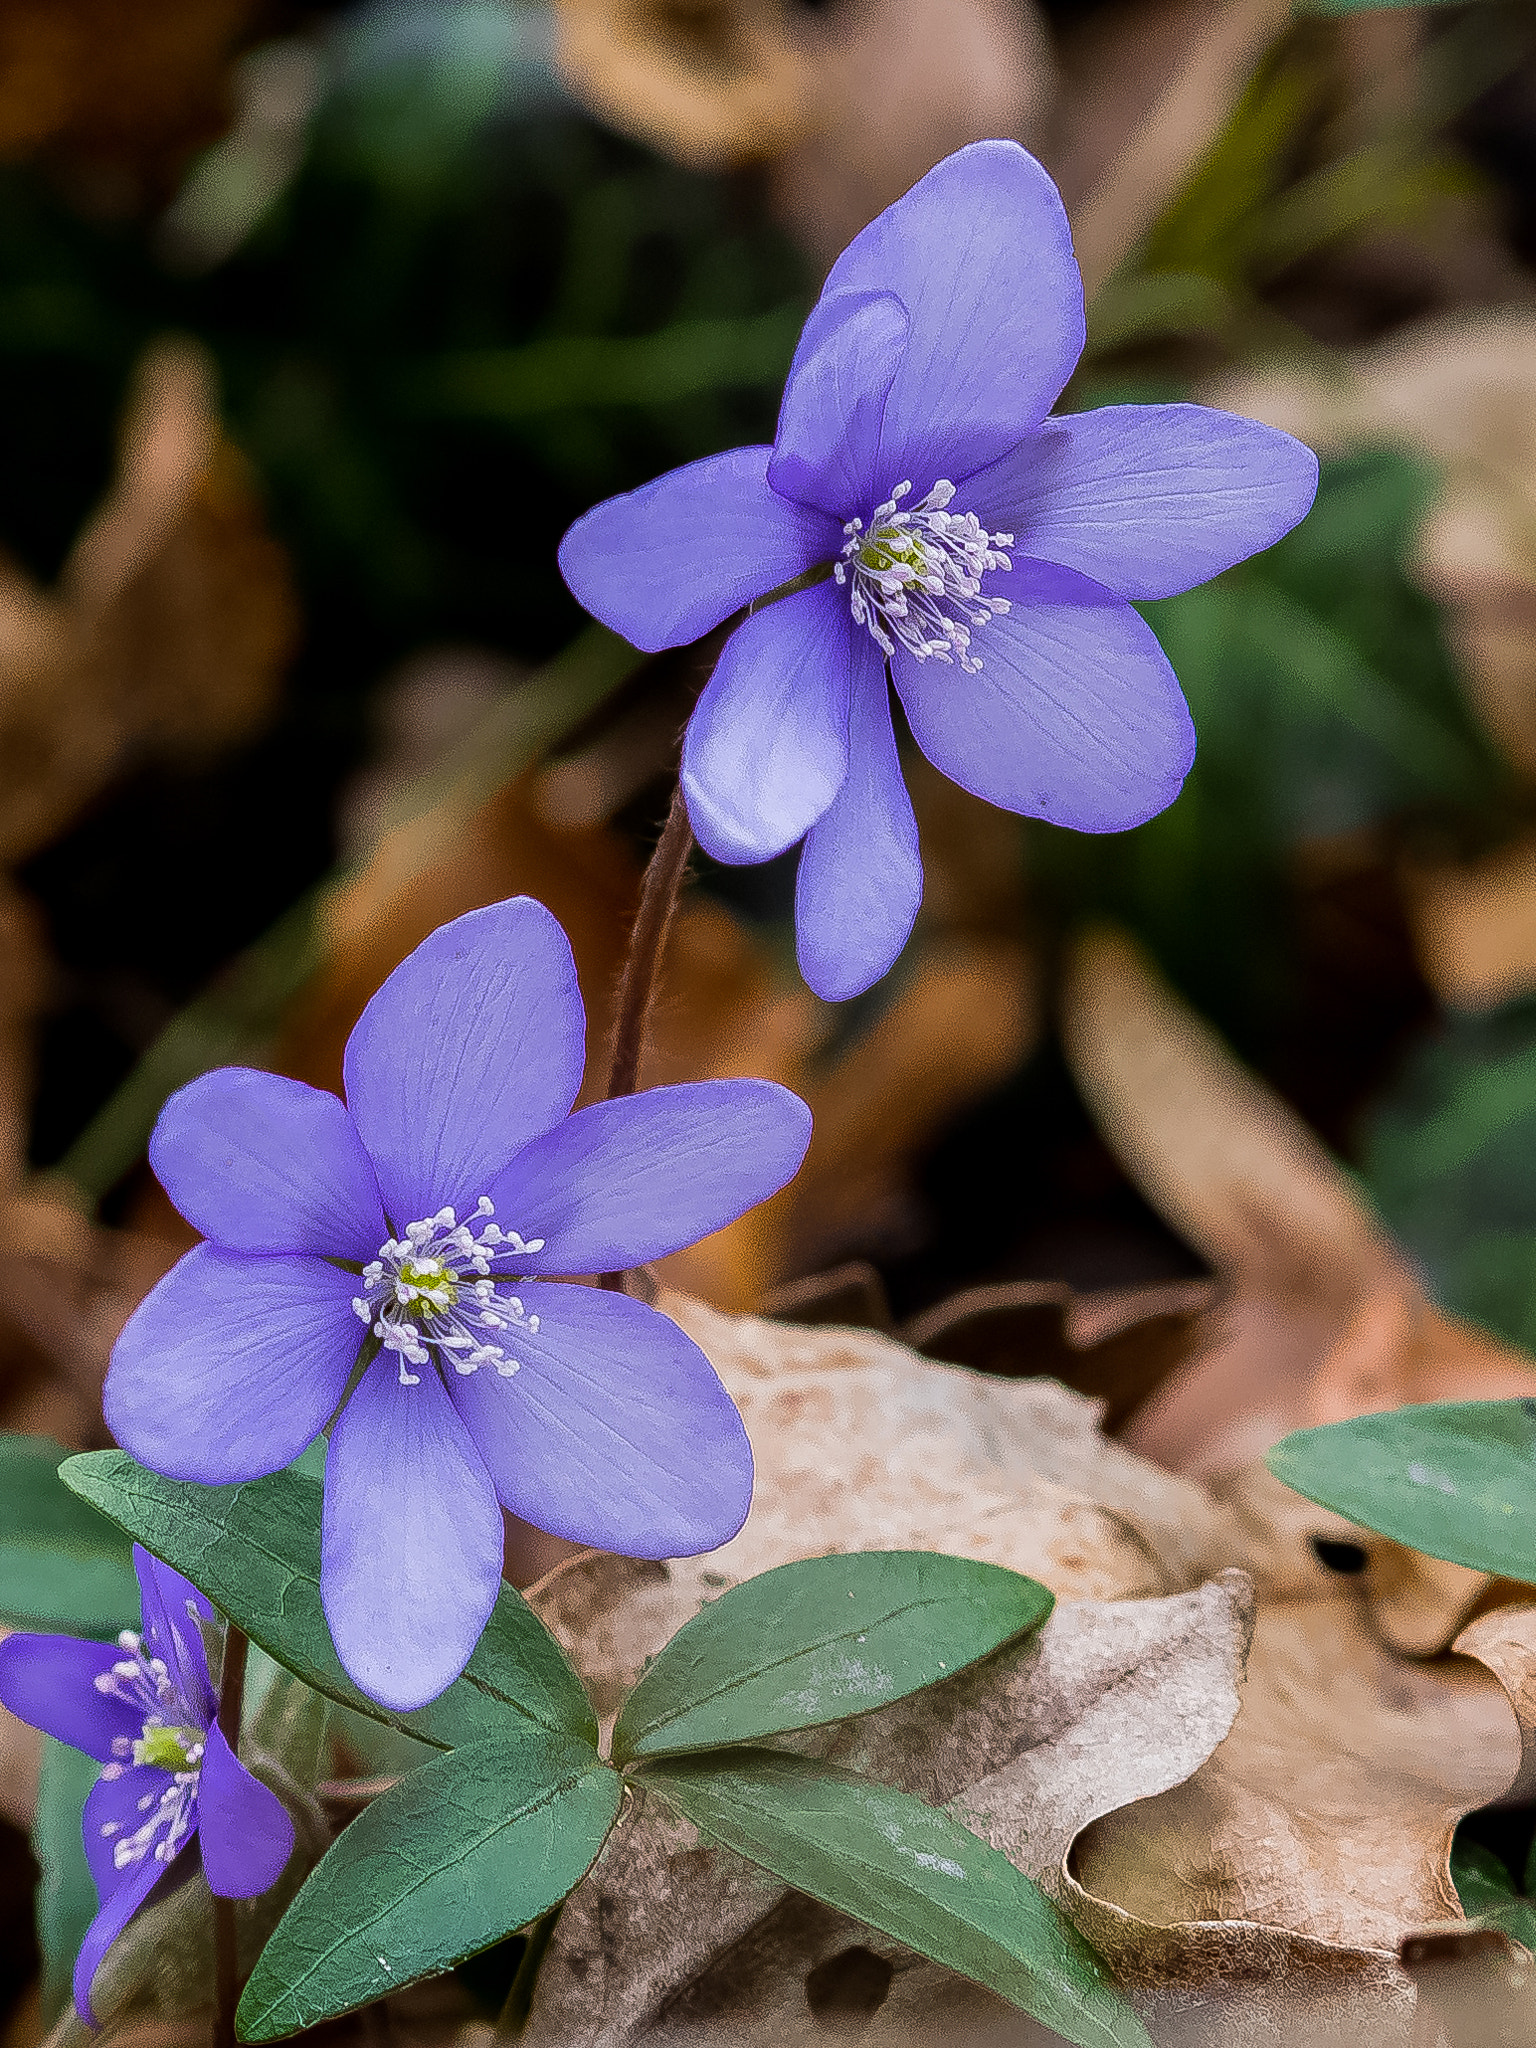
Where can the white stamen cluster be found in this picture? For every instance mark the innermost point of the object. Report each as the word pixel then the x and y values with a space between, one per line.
pixel 170 1739
pixel 915 576
pixel 434 1286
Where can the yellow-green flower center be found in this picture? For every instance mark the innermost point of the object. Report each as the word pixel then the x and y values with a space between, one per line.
pixel 436 1284
pixel 890 547
pixel 168 1749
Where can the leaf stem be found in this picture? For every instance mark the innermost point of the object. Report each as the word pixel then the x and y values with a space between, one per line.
pixel 659 894
pixel 226 1966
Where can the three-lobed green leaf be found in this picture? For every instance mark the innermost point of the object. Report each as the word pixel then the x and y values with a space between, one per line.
pixel 62 1565
pixel 819 1640
pixel 1454 1479
pixel 462 1852
pixel 910 1871
pixel 254 1549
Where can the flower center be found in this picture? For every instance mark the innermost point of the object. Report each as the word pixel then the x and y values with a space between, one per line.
pixel 434 1287
pixel 914 578
pixel 168 1749
pixel 170 1740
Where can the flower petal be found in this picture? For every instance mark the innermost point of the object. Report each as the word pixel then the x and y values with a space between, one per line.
pixel 665 563
pixel 122 1892
pixel 1076 715
pixel 767 746
pixel 259 1163
pixel 246 1831
pixel 615 1432
pixel 411 1539
pixel 232 1364
pixel 1147 499
pixel 826 450
pixel 625 1181
pixel 50 1683
pixel 473 1046
pixel 980 254
pixel 172 1606
pixel 860 880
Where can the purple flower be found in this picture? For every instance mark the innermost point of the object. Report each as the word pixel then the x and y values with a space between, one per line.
pixel 145 1708
pixel 421 1220
pixel 949 528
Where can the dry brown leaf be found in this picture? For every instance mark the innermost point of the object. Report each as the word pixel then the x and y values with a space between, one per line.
pixel 1320 1316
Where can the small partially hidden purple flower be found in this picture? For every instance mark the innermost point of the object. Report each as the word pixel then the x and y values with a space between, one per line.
pixel 145 1709
pixel 987 553
pixel 411 1233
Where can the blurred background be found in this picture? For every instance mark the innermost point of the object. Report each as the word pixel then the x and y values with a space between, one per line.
pixel 318 325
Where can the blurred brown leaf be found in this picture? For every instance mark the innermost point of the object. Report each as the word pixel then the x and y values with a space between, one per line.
pixel 1320 1317
pixel 171 622
pixel 121 90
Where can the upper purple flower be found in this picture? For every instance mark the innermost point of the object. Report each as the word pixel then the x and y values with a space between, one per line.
pixel 400 1221
pixel 145 1709
pixel 957 528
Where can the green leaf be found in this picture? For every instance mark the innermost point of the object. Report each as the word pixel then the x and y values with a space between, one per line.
pixel 62 1566
pixel 66 1895
pixel 461 1853
pixel 1455 1479
pixel 908 1870
pixel 818 1640
pixel 1487 1891
pixel 254 1549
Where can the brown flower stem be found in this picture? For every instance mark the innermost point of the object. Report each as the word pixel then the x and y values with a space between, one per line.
pixel 226 1967
pixel 659 894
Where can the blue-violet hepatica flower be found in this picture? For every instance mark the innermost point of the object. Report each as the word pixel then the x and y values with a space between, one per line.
pixel 145 1709
pixel 984 551
pixel 413 1230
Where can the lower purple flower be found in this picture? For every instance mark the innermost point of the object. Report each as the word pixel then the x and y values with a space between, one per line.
pixel 394 1257
pixel 145 1708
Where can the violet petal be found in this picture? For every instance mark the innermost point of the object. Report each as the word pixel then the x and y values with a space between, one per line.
pixel 980 254
pixel 118 1908
pixel 112 1810
pixel 767 746
pixel 665 563
pixel 615 1432
pixel 246 1831
pixel 1076 715
pixel 49 1682
pixel 259 1163
pixel 473 1046
pixel 861 879
pixel 826 450
pixel 172 1606
pixel 1147 499
pixel 629 1180
pixel 232 1364
pixel 411 1538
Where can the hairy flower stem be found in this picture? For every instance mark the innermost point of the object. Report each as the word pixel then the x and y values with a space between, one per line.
pixel 659 894
pixel 226 1968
